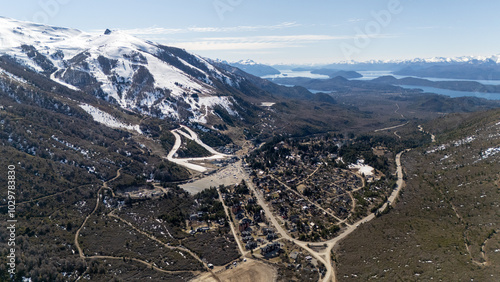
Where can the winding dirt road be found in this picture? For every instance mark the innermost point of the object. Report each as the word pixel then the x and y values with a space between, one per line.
pixel 111 214
pixel 77 234
pixel 433 137
pixel 392 127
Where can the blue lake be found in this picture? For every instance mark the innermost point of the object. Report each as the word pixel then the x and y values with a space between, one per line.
pixel 369 75
pixel 453 93
pixel 291 73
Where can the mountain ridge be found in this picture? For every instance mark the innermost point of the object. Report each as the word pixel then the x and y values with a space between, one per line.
pixel 135 74
pixel 254 68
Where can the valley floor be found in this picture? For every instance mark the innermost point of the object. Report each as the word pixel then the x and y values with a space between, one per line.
pixel 235 172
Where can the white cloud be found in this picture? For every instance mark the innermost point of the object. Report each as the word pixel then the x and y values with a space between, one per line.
pixel 423 27
pixel 260 42
pixel 224 43
pixel 221 45
pixel 153 31
pixel 281 38
pixel 355 20
pixel 194 29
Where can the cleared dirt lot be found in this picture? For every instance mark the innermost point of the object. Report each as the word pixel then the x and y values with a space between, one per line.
pixel 228 176
pixel 250 271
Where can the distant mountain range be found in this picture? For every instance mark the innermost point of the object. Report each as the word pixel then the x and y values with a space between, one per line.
pixel 465 67
pixel 254 68
pixel 461 59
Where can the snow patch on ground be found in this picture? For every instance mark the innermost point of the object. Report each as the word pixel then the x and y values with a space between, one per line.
pixel 169 77
pixel 215 72
pixel 84 152
pixel 457 143
pixel 201 107
pixel 169 110
pixel 13 77
pixel 490 152
pixel 444 158
pixel 267 104
pixel 53 77
pixel 362 168
pixel 107 119
pixel 464 141
pixel 221 101
pixel 440 148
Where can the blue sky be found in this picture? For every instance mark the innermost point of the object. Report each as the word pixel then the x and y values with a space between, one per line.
pixel 287 31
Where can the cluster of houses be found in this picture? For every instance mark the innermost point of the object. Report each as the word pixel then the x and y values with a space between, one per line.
pixel 199 230
pixel 249 240
pixel 196 216
pixel 198 225
pixel 249 223
pixel 269 233
pixel 224 162
pixel 324 185
pixel 251 245
pixel 311 264
pixel 294 208
pixel 244 224
pixel 272 249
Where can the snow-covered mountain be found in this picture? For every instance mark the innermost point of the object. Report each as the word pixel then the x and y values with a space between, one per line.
pixel 133 73
pixel 247 62
pixel 463 67
pixel 460 59
pixel 255 68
